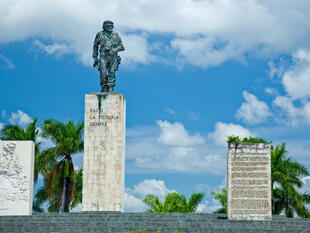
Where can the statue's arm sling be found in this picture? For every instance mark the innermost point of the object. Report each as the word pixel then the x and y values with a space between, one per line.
pixel 120 46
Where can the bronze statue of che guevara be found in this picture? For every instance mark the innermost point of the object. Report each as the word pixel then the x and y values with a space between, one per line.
pixel 108 44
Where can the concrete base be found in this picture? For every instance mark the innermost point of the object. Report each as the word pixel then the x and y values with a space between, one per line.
pixel 16 177
pixel 104 152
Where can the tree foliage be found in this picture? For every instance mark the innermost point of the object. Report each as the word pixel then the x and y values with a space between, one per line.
pixel 174 203
pixel 237 139
pixel 286 175
pixel 52 199
pixel 222 198
pixel 56 162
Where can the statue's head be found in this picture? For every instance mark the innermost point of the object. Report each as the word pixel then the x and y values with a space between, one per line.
pixel 108 26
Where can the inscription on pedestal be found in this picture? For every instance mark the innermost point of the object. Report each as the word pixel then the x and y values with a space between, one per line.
pixel 249 181
pixel 104 152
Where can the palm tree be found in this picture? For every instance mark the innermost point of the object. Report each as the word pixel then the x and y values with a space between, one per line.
pixel 222 198
pixel 286 173
pixel 42 195
pixel 59 175
pixel 30 132
pixel 174 203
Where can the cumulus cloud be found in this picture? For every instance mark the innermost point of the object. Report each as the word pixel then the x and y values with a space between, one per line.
pixel 295 104
pixel 269 28
pixel 133 203
pixel 175 135
pixel 252 111
pixel 296 81
pixel 20 118
pixel 133 197
pixel 171 148
pixel 152 186
pixel 223 130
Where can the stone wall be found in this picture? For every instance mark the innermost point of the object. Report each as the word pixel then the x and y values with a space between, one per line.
pixel 16 177
pixel 249 181
pixel 104 152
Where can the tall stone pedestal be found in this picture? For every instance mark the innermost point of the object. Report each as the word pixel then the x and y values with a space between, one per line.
pixel 104 152
pixel 16 177
pixel 249 181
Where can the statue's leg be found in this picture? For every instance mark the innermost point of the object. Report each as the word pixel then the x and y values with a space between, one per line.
pixel 111 78
pixel 103 75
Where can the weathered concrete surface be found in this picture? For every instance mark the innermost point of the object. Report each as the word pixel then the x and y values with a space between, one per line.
pixel 104 152
pixel 249 181
pixel 16 177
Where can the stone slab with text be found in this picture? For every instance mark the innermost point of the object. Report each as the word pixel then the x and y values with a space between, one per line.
pixel 249 181
pixel 104 152
pixel 16 177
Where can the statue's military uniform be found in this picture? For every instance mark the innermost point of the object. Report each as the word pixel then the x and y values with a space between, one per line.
pixel 109 45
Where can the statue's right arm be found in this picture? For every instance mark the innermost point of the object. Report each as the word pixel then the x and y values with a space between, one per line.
pixel 96 46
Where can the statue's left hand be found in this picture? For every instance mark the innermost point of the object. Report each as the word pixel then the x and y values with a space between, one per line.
pixel 96 63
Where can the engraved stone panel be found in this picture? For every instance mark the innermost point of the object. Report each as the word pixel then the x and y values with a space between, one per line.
pixel 16 177
pixel 104 152
pixel 249 181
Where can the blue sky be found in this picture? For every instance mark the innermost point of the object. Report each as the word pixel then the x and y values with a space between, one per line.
pixel 193 72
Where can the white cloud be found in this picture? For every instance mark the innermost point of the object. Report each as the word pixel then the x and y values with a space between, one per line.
pixel 253 111
pixel 171 148
pixel 223 130
pixel 134 197
pixel 296 81
pixel 20 118
pixel 203 33
pixel 7 62
pixel 271 91
pixel 1 126
pixel 295 103
pixel 133 204
pixel 136 49
pixel 203 51
pixel 175 135
pixel 209 206
pixel 286 105
pixel 152 186
pixel 56 48
pixel 277 70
